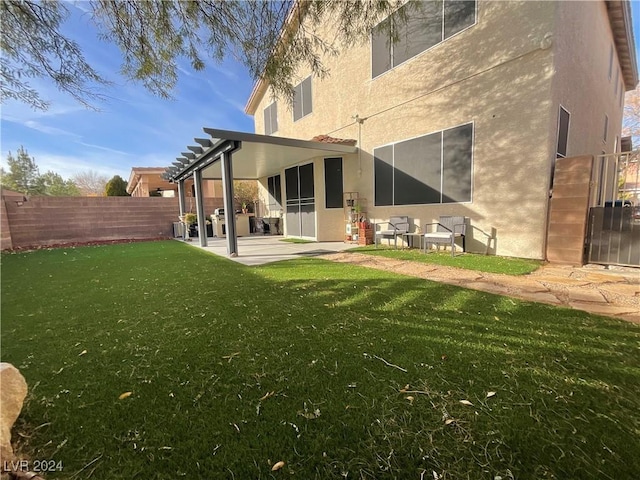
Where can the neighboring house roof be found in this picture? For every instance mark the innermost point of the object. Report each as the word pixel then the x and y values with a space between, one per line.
pixel 136 172
pixel 620 19
pixel 619 12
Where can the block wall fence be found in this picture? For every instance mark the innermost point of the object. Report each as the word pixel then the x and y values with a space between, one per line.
pixel 42 221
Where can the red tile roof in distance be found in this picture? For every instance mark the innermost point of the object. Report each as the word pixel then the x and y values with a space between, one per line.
pixel 340 141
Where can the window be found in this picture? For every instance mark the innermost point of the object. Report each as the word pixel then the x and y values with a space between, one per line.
pixel 606 129
pixel 333 182
pixel 610 61
pixel 271 119
pixel 434 168
pixel 621 94
pixel 275 192
pixel 417 26
pixel 563 133
pixel 615 92
pixel 302 99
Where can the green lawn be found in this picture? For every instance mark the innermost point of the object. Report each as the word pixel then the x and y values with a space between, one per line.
pixel 233 369
pixel 470 261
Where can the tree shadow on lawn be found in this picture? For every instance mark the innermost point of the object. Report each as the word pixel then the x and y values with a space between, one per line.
pixel 200 341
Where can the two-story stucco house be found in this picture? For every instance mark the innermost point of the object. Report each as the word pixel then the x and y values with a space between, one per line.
pixel 464 115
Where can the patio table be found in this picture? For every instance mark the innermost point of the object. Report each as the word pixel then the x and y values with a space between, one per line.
pixel 410 239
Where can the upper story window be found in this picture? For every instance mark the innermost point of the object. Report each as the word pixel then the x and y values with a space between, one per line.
pixel 416 27
pixel 271 119
pixel 302 105
pixel 610 61
pixel 563 132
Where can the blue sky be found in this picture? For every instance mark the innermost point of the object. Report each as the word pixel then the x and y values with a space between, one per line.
pixel 134 128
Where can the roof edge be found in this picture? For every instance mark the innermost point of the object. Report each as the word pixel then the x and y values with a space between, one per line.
pixel 620 20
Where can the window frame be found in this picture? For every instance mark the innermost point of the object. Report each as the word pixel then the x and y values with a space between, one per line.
pixel 340 199
pixel 566 147
pixel 610 62
pixel 441 202
pixel 302 98
pixel 267 113
pixel 391 43
pixel 271 195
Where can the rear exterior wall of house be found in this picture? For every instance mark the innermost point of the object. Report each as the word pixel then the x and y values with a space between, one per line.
pixel 500 79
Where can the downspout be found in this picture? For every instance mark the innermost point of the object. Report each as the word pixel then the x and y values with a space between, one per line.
pixel 359 121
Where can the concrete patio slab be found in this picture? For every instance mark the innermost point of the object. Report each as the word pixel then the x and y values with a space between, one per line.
pixel 258 250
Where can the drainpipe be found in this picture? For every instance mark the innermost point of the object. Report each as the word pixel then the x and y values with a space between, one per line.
pixel 359 121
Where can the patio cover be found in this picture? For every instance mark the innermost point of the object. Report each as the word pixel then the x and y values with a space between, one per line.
pixel 231 155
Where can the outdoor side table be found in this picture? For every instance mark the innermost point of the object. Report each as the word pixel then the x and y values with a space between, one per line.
pixel 410 239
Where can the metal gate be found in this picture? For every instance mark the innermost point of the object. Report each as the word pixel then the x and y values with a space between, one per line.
pixel 613 234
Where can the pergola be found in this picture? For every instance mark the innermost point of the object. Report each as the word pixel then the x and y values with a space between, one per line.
pixel 229 156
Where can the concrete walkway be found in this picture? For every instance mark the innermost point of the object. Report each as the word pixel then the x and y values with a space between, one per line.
pixel 594 289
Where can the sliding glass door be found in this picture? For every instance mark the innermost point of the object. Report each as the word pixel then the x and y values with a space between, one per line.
pixel 301 205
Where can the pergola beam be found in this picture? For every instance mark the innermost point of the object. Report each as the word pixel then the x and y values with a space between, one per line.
pixel 204 142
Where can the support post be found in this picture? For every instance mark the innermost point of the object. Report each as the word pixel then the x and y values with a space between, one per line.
pixel 229 209
pixel 181 199
pixel 202 220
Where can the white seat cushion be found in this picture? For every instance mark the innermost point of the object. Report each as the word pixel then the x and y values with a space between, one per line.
pixel 440 235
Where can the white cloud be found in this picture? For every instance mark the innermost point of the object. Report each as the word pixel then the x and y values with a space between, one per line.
pixel 47 129
pixel 106 149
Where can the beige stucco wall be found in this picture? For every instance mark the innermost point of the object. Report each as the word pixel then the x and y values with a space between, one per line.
pixel 582 43
pixel 498 74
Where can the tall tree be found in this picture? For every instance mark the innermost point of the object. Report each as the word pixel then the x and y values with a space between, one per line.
pixel 246 193
pixel 24 177
pixel 631 121
pixel 154 34
pixel 23 173
pixel 54 185
pixel 116 187
pixel 90 183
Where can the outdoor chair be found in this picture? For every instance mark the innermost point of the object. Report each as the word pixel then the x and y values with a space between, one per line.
pixel 397 226
pixel 447 230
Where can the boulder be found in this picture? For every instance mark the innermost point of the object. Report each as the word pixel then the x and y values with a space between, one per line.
pixel 13 390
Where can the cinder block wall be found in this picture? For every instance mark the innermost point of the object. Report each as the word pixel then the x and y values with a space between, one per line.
pixel 42 221
pixel 569 210
pixel 5 230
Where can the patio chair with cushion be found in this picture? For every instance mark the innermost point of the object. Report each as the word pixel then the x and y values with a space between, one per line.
pixel 446 231
pixel 397 226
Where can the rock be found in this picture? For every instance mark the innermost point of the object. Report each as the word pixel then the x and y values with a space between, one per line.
pixel 13 390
